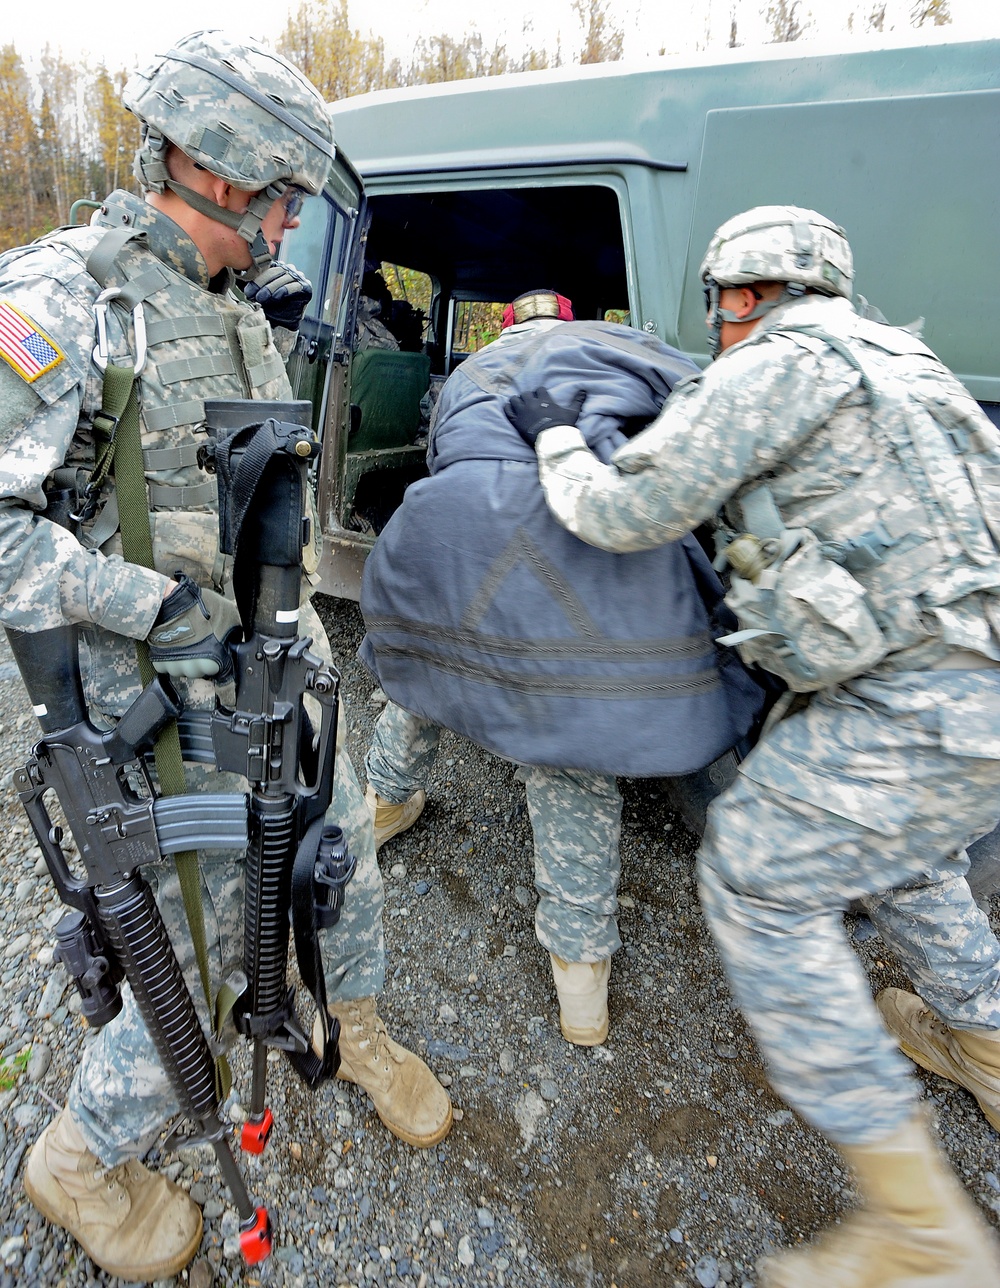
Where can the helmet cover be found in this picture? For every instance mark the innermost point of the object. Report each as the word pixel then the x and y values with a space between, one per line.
pixel 234 107
pixel 780 244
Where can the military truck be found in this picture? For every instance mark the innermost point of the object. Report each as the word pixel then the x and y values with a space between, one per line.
pixel 605 183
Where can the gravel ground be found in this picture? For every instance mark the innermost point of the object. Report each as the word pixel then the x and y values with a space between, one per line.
pixel 661 1158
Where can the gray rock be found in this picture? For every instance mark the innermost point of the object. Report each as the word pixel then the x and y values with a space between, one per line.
pixel 27 1115
pixel 864 931
pixel 55 986
pixel 12 1165
pixel 17 946
pixel 38 1062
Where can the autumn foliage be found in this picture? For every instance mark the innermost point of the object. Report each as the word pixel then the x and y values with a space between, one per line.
pixel 64 134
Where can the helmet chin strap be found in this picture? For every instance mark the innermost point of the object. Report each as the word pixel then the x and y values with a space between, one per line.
pixel 247 224
pixel 717 314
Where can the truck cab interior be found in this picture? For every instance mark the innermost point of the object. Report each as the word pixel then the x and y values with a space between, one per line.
pixel 439 266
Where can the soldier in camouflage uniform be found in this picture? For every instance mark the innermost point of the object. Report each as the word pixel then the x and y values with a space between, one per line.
pixel 371 331
pixel 841 447
pixel 233 139
pixel 575 825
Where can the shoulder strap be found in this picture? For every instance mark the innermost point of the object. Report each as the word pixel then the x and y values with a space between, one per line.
pixel 760 514
pixel 120 402
pixel 101 259
pixel 925 447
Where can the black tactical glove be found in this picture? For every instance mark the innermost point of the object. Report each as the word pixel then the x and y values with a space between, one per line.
pixel 531 413
pixel 192 632
pixel 282 292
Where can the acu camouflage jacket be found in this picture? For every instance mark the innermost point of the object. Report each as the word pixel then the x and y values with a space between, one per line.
pixel 809 403
pixel 203 342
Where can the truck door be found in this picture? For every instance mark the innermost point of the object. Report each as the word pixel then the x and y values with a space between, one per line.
pixel 328 246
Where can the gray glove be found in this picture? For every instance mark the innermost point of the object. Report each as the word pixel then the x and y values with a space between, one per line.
pixel 193 631
pixel 282 292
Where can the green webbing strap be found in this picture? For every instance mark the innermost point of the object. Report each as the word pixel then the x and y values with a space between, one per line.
pixel 120 403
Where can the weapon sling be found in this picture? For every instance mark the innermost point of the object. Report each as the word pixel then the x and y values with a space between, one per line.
pixel 114 930
pixel 120 413
pixel 296 864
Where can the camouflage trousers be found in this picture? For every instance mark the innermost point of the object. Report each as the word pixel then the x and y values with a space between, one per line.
pixel 869 794
pixel 575 821
pixel 120 1096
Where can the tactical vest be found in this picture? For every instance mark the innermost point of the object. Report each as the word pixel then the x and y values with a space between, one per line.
pixel 198 344
pixel 919 527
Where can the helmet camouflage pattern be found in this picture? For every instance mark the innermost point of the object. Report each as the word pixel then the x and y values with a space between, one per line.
pixel 237 109
pixel 780 244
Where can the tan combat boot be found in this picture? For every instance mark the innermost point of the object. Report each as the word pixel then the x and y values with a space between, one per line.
pixel 582 988
pixel 918 1229
pixel 407 1097
pixel 390 819
pixel 970 1059
pixel 132 1223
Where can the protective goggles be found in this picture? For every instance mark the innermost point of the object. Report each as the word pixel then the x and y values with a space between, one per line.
pixel 292 199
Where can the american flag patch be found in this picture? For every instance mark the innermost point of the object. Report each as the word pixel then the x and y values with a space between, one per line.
pixel 28 350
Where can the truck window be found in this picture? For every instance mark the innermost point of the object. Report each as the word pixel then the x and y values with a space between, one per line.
pixel 476 323
pixel 320 248
pixel 412 293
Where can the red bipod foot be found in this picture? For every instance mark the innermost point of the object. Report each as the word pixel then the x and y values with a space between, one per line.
pixel 255 1240
pixel 255 1133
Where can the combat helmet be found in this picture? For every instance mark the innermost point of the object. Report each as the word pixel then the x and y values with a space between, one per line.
pixel 239 111
pixel 801 248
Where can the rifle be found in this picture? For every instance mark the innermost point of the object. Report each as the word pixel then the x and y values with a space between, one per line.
pixel 294 860
pixel 114 931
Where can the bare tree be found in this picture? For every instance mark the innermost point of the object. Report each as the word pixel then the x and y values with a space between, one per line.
pixel 602 41
pixel 783 15
pixel 62 138
pixel 876 19
pixel 935 12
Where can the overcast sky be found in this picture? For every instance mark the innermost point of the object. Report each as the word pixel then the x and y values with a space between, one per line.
pixel 105 30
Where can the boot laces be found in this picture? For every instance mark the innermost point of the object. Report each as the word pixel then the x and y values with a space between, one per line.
pixel 931 1020
pixel 115 1178
pixel 376 1038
